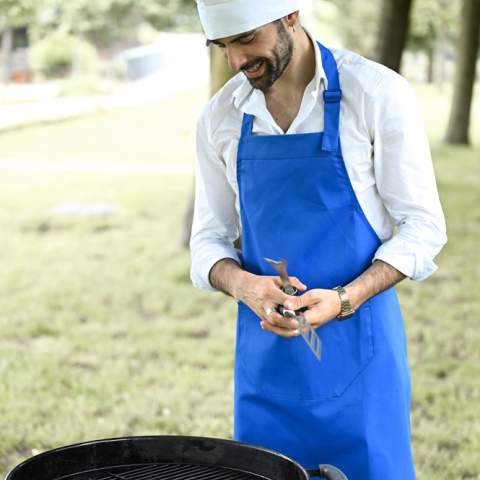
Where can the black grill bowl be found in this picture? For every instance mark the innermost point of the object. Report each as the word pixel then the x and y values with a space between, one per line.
pixel 159 458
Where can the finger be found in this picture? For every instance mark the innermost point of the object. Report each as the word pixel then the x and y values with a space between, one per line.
pixel 279 321
pixel 271 314
pixel 282 332
pixel 317 317
pixel 278 282
pixel 293 280
pixel 300 301
pixel 275 294
pixel 298 284
pixel 269 309
pixel 278 297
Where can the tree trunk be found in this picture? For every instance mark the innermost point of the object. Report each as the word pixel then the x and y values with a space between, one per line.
pixel 467 52
pixel 393 32
pixel 6 55
pixel 430 64
pixel 432 45
pixel 220 73
pixel 187 223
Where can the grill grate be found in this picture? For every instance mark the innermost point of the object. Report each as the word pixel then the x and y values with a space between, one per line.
pixel 164 471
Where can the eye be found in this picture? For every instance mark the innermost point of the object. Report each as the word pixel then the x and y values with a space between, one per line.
pixel 247 39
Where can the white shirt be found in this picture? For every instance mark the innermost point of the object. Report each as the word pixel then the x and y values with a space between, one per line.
pixel 384 147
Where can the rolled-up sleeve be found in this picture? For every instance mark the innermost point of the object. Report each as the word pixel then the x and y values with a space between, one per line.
pixel 215 220
pixel 406 181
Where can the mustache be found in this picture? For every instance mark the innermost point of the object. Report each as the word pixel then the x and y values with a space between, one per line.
pixel 253 63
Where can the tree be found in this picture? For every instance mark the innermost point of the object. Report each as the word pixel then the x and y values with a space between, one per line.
pixel 103 22
pixel 220 72
pixel 467 53
pixel 393 32
pixel 13 13
pixel 355 22
pixel 433 29
pixel 6 54
pixel 16 13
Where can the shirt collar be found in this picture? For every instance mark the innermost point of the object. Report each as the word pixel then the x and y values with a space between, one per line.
pixel 245 93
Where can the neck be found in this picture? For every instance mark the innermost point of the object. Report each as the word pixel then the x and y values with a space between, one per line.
pixel 300 70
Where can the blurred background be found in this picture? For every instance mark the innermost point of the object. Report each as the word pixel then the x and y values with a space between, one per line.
pixel 101 332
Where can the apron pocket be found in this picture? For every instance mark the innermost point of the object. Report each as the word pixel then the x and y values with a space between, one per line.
pixel 287 368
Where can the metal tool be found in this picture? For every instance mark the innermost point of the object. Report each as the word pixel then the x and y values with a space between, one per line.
pixel 306 330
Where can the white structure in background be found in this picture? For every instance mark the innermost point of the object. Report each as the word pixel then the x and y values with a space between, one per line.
pixel 175 62
pixel 178 61
pixel 306 13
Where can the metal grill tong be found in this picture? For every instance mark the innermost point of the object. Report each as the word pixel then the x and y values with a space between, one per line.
pixel 306 330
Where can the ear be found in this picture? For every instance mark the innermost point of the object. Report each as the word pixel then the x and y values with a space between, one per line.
pixel 292 19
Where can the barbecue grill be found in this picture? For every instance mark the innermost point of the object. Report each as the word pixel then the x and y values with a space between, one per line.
pixel 165 458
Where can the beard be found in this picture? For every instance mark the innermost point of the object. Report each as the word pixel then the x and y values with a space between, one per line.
pixel 275 63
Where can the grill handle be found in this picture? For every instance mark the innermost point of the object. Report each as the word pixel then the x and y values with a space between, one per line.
pixel 327 472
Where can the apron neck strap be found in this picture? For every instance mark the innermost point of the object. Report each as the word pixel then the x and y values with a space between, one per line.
pixel 331 98
pixel 247 125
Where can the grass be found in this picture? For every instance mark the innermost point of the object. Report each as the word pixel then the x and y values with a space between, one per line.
pixel 101 333
pixel 139 135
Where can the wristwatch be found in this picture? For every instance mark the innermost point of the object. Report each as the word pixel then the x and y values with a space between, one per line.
pixel 346 309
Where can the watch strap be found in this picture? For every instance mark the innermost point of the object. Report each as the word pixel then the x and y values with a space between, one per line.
pixel 346 309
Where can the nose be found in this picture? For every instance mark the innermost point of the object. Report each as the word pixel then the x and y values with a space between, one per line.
pixel 235 58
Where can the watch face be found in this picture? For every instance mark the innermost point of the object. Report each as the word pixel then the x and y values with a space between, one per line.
pixel 346 310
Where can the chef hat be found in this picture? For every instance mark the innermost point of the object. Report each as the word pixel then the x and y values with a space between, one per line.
pixel 224 18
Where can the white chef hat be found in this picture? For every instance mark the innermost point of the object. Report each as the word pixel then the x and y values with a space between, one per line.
pixel 224 18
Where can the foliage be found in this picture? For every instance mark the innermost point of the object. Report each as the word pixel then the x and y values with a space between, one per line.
pixel 432 21
pixel 14 13
pixel 102 21
pixel 59 53
pixel 105 21
pixel 357 24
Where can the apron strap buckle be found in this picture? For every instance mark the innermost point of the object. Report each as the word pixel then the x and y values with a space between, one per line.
pixel 332 96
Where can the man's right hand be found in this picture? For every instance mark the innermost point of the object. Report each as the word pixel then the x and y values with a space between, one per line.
pixel 262 294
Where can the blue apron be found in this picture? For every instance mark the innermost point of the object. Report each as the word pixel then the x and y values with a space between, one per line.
pixel 352 408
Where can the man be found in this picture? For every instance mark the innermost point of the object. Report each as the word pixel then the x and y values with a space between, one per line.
pixel 317 156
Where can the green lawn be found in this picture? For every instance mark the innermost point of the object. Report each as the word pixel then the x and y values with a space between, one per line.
pixel 159 134
pixel 101 333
